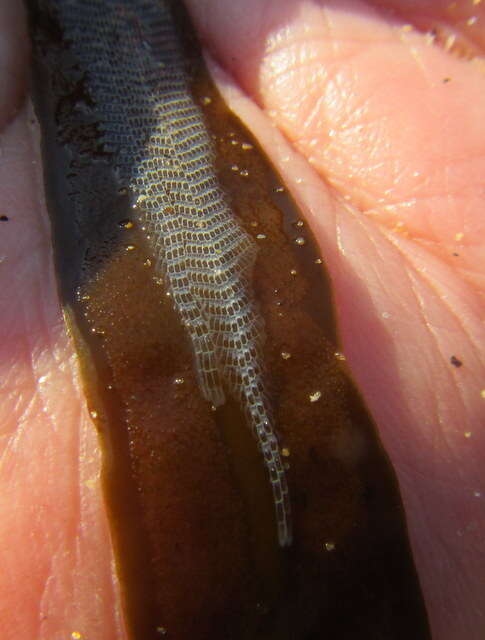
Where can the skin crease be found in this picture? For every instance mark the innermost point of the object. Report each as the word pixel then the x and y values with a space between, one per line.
pixel 393 189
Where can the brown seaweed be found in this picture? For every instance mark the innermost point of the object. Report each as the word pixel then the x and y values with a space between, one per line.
pixel 187 492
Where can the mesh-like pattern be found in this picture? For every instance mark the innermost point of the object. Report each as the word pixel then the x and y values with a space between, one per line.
pixel 148 120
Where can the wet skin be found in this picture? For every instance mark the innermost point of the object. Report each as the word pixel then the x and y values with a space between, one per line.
pixel 393 125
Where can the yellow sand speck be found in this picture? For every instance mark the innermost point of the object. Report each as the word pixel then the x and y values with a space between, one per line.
pixel 315 396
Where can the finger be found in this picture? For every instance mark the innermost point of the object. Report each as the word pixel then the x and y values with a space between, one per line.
pixel 53 523
pixel 54 535
pixel 372 105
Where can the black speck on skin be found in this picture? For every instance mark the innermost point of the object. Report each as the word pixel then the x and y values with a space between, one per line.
pixel 3 218
pixel 455 362
pixel 455 254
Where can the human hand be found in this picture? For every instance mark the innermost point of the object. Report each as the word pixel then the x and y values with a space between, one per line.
pixel 392 124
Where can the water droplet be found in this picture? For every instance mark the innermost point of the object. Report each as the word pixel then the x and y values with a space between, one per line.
pixel 179 380
pixel 386 315
pixel 162 631
pixel 254 223
pixel 147 263
pixel 477 494
pixel 130 247
pixel 279 189
pixel 234 167
pixel 244 173
pixel 206 100
pixel 293 272
pixel 299 223
pixel 126 223
pixel 468 434
pixel 300 241
pixel 93 414
pixel 340 356
pixel 285 452
pixel 318 261
pixel 246 146
pixel 315 396
pixel 329 546
pixel 261 236
pixel 285 355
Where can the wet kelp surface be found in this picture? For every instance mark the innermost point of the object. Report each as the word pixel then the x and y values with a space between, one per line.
pixel 187 492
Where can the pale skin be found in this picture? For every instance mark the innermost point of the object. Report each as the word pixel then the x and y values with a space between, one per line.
pixel 379 130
